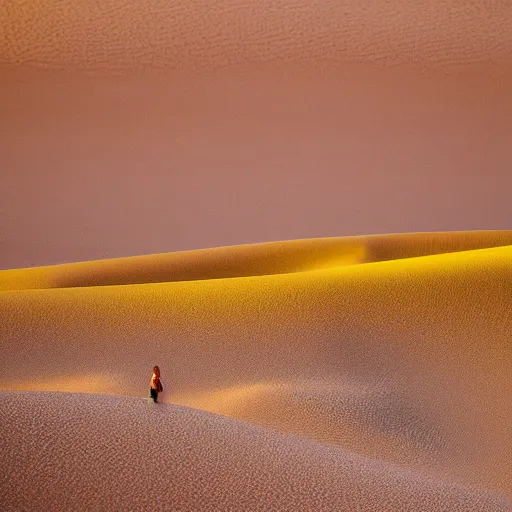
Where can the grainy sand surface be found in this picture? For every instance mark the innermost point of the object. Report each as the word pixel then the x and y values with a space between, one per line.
pixel 355 374
pixel 378 382
pixel 117 35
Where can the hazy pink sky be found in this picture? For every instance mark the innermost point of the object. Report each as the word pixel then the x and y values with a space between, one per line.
pixel 105 164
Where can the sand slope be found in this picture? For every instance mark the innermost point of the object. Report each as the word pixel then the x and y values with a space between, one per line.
pixel 123 454
pixel 250 260
pixel 393 375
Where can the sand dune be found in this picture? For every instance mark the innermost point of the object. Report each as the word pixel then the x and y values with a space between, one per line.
pixel 354 374
pixel 250 260
pixel 353 382
pixel 122 454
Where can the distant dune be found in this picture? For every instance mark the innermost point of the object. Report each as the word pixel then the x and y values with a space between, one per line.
pixel 363 373
pixel 141 127
pixel 353 374
pixel 250 260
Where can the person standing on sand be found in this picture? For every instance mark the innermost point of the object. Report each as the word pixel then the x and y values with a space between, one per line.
pixel 155 386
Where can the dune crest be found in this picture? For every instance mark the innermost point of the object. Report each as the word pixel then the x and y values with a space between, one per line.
pixel 393 372
pixel 250 260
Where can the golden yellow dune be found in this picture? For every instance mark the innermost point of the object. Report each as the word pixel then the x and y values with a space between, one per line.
pixel 394 364
pixel 250 260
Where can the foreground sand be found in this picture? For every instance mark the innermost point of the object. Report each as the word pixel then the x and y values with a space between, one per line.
pixel 109 453
pixel 369 373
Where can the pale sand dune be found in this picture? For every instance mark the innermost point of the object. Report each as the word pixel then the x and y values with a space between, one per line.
pixel 109 453
pixel 394 377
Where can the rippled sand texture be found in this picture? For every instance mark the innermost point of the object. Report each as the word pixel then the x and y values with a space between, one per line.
pixel 348 374
pixel 182 35
pixel 366 373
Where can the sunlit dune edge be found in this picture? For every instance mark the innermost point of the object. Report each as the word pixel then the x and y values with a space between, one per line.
pixel 248 260
pixel 118 453
pixel 403 359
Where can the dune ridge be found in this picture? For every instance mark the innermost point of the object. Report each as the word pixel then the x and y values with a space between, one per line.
pixel 250 260
pixel 377 386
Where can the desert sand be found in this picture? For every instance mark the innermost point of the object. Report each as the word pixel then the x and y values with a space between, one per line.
pixel 360 373
pixel 117 35
pixel 353 374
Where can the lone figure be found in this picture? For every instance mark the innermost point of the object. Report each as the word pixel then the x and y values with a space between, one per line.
pixel 155 386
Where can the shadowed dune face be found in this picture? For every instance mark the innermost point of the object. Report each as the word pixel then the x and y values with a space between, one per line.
pixel 336 412
pixel 394 360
